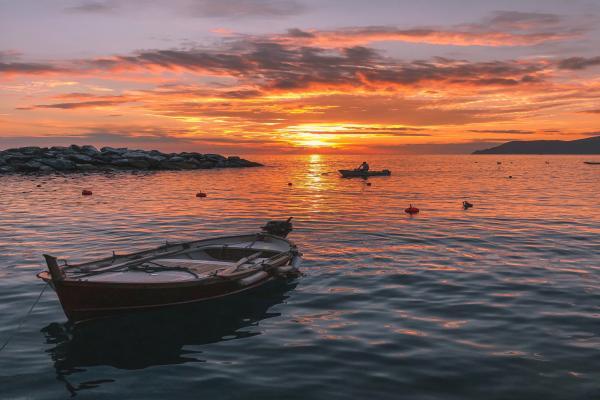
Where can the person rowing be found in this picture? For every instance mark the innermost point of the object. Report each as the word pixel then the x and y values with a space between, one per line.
pixel 364 167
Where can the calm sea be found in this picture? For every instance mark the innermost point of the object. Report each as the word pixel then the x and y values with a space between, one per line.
pixel 501 301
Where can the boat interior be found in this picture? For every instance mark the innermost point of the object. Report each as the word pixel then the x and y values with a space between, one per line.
pixel 183 261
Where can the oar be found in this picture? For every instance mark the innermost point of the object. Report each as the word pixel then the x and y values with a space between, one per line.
pixel 138 261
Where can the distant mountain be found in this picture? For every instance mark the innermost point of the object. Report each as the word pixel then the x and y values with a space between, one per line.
pixel 581 146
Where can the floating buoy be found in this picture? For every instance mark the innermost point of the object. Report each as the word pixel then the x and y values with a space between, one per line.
pixel 467 205
pixel 200 194
pixel 86 192
pixel 289 183
pixel 510 177
pixel 411 210
pixel 38 186
pixel 368 183
pixel 498 162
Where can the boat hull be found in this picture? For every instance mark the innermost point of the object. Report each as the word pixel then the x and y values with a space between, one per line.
pixel 85 299
pixel 348 173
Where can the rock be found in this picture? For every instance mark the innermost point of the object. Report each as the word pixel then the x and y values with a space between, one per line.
pixel 120 162
pixel 248 164
pixel 139 164
pixel 112 150
pixel 32 150
pixel 81 158
pixel 89 150
pixel 206 165
pixel 31 166
pixel 17 158
pixel 234 162
pixel 59 164
pixel 46 169
pixel 156 158
pixel 135 154
pixel 86 167
pixel 89 159
pixel 177 165
pixel 215 157
pixel 187 165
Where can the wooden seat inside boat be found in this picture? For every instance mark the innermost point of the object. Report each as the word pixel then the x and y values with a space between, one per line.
pixel 198 266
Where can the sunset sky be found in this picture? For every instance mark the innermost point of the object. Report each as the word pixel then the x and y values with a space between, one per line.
pixel 298 76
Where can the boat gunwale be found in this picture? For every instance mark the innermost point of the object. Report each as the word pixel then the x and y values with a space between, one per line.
pixel 75 281
pixel 169 245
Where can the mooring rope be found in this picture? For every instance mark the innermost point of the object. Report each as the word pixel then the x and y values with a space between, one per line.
pixel 12 335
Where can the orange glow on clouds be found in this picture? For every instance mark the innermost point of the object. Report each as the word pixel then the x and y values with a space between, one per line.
pixel 307 91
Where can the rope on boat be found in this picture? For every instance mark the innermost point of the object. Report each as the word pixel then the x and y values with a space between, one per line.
pixel 20 325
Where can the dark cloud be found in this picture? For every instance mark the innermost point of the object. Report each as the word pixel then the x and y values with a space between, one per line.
pixel 495 73
pixel 298 33
pixel 241 94
pixel 75 105
pixel 27 68
pixel 505 131
pixel 244 8
pixel 264 63
pixel 523 20
pixel 173 59
pixel 371 132
pixel 92 7
pixel 195 8
pixel 576 63
pixel 502 28
pixel 406 131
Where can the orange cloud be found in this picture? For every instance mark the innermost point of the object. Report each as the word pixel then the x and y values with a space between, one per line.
pixel 292 93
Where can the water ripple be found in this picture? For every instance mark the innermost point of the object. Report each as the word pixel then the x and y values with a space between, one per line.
pixel 499 301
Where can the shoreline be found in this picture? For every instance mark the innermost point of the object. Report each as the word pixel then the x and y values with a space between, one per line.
pixel 87 158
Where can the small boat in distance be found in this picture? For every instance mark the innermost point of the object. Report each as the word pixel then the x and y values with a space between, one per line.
pixel 174 274
pixel 592 162
pixel 411 210
pixel 353 173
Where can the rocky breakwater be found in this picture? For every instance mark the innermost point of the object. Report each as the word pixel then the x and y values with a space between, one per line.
pixel 89 159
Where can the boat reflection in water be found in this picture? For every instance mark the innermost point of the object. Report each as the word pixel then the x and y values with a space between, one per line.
pixel 152 338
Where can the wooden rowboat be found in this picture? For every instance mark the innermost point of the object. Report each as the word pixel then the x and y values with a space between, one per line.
pixel 592 162
pixel 353 173
pixel 173 274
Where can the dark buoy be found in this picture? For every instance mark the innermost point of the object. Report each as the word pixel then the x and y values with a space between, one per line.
pixel 86 192
pixel 200 194
pixel 368 183
pixel 411 210
pixel 467 205
pixel 38 186
pixel 289 183
pixel 510 177
pixel 498 162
